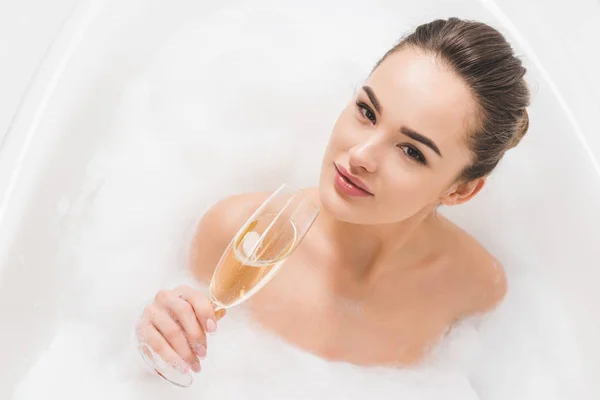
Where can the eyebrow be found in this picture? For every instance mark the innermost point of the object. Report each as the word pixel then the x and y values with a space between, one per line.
pixel 373 98
pixel 420 138
pixel 407 131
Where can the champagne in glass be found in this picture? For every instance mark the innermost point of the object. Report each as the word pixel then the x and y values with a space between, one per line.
pixel 250 261
pixel 255 254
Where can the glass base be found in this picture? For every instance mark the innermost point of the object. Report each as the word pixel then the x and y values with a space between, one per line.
pixel 168 372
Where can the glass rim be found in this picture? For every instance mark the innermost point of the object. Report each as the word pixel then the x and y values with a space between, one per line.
pixel 296 191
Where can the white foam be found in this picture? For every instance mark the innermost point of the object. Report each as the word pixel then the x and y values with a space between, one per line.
pixel 186 138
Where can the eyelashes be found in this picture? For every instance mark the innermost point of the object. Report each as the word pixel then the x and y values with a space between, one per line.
pixel 366 112
pixel 409 150
pixel 413 153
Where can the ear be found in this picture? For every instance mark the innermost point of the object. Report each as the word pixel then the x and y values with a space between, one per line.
pixel 460 193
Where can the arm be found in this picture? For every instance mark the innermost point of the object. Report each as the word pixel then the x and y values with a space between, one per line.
pixel 491 287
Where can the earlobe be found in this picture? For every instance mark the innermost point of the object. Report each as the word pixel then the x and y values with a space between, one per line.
pixel 451 199
pixel 448 199
pixel 463 192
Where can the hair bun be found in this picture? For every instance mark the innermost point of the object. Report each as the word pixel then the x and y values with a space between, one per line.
pixel 522 127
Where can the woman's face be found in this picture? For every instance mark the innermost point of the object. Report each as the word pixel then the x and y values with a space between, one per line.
pixel 401 140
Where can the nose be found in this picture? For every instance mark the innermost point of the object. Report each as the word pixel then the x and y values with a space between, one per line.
pixel 363 157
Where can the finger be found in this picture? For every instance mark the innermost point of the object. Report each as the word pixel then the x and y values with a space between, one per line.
pixel 202 306
pixel 161 351
pixel 174 335
pixel 183 313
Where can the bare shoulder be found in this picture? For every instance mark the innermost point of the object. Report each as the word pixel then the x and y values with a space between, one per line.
pixel 483 276
pixel 217 227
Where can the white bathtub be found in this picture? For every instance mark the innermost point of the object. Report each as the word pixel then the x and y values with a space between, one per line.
pixel 540 211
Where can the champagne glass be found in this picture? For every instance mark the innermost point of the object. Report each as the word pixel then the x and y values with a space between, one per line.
pixel 251 259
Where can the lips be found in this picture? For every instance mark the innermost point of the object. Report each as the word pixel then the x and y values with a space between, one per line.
pixel 349 184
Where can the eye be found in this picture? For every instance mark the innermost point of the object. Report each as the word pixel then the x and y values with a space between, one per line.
pixel 366 112
pixel 413 153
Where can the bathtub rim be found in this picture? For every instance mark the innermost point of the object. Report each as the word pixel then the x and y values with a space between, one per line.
pixel 23 127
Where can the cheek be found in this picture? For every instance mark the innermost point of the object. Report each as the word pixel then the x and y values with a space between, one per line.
pixel 410 185
pixel 342 133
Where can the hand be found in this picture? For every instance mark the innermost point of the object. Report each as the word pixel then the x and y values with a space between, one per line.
pixel 175 326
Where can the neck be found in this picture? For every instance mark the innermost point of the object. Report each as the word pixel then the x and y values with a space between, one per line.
pixel 369 252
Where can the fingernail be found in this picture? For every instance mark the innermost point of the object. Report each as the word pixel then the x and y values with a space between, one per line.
pixel 211 326
pixel 146 352
pixel 181 366
pixel 200 350
pixel 196 366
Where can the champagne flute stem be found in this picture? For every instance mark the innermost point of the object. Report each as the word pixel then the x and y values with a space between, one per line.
pixel 219 310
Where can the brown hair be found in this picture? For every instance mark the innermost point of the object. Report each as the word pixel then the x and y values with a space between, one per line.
pixel 482 57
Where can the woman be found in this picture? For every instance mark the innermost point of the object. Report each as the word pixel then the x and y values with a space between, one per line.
pixel 381 276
